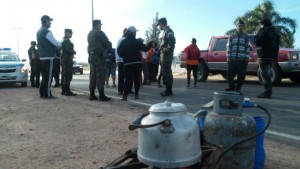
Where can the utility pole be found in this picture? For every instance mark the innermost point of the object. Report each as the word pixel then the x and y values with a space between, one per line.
pixel 17 29
pixel 92 10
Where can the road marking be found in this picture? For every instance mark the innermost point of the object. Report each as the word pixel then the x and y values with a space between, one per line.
pixel 283 135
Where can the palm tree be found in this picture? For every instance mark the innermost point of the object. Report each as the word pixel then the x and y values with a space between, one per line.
pixel 285 26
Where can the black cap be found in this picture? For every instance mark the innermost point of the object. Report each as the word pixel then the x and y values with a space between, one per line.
pixel 33 43
pixel 45 18
pixel 266 22
pixel 96 22
pixel 162 20
pixel 240 22
pixel 68 30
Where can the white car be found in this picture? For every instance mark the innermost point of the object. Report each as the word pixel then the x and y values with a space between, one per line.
pixel 12 69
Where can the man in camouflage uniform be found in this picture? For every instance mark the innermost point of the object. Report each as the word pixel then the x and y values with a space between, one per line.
pixel 67 53
pixel 98 43
pixel 166 48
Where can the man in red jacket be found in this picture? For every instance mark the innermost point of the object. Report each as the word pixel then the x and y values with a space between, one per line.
pixel 192 61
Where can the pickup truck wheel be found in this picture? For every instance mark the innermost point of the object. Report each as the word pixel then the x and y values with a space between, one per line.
pixel 202 73
pixel 276 75
pixel 295 78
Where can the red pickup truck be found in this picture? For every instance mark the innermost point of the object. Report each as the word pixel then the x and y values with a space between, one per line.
pixel 214 61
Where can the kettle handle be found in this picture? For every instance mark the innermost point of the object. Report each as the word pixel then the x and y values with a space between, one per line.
pixel 166 122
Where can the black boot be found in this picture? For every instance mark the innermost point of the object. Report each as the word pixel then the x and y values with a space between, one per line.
pixel 63 89
pixel 68 91
pixel 102 97
pixel 93 96
pixel 163 92
pixel 168 91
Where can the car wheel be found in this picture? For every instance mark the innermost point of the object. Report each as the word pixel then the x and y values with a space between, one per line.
pixel 202 73
pixel 276 75
pixel 295 78
pixel 24 84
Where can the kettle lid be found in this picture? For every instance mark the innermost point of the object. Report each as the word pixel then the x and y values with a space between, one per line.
pixel 168 106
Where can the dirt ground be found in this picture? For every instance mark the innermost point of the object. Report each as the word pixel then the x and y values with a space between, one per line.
pixel 75 133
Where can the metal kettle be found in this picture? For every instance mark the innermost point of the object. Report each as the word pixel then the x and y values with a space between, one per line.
pixel 168 137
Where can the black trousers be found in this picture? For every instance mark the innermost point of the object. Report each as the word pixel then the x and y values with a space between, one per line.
pixel 35 72
pixel 56 70
pixel 236 68
pixel 132 74
pixel 46 66
pixel 120 77
pixel 191 68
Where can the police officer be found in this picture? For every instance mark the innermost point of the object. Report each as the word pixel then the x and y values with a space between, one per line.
pixel 98 43
pixel 31 51
pixel 166 47
pixel 67 54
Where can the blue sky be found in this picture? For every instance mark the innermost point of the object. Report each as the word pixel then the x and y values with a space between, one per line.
pixel 200 19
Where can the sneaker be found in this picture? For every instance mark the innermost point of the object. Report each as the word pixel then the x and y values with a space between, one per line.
pixel 230 89
pixel 195 85
pixel 167 94
pixel 114 85
pixel 264 96
pixel 124 98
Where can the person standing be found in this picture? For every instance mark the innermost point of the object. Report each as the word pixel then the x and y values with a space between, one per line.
pixel 31 51
pixel 152 62
pixel 98 43
pixel 237 57
pixel 67 53
pixel 166 47
pixel 47 48
pixel 119 60
pixel 111 67
pixel 268 39
pixel 130 49
pixel 192 61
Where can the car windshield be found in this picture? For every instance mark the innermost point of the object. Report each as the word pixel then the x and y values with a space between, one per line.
pixel 8 57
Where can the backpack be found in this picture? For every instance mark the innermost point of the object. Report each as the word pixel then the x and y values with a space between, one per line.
pixel 154 59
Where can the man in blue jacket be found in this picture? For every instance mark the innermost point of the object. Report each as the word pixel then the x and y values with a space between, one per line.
pixel 47 48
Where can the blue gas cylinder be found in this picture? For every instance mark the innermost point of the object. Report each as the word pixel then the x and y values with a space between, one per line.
pixel 227 125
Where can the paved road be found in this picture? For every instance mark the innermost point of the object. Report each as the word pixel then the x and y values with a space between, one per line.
pixel 284 106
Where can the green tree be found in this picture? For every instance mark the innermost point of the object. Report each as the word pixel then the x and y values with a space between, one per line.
pixel 153 31
pixel 284 25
